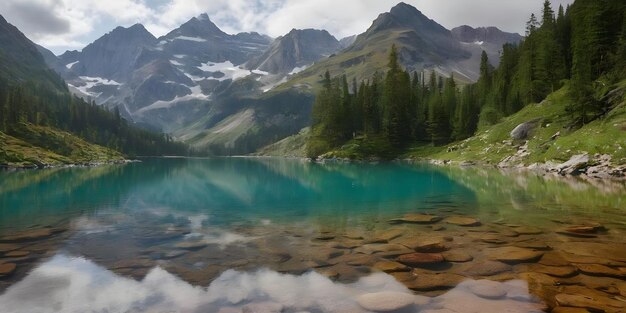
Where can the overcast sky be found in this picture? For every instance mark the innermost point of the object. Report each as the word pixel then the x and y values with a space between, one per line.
pixel 71 24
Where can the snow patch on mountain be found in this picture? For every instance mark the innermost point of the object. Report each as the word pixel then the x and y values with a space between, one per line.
pixel 69 65
pixel 196 39
pixel 229 70
pixel 196 94
pixel 298 69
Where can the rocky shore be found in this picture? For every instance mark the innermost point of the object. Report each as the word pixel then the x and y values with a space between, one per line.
pixel 13 167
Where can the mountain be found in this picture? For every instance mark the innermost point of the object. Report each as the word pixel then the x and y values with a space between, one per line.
pixel 419 39
pixel 488 39
pixel 164 83
pixel 492 35
pixel 201 37
pixel 113 55
pixel 20 60
pixel 236 93
pixel 347 41
pixel 42 124
pixel 422 43
pixel 296 50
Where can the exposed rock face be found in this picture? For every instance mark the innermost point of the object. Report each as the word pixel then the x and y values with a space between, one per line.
pixel 114 55
pixel 297 49
pixel 424 37
pixel 492 35
pixel 21 60
pixel 347 41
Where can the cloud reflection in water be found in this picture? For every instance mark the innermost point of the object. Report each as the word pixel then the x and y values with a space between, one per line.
pixel 72 285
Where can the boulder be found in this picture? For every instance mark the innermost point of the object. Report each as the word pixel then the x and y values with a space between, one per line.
pixel 522 131
pixel 574 165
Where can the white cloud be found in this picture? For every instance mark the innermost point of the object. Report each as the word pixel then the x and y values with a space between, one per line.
pixel 72 23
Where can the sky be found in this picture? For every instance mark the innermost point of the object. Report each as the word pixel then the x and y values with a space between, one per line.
pixel 61 25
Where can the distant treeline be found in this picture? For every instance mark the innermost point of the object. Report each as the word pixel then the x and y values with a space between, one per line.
pixel 35 103
pixel 584 43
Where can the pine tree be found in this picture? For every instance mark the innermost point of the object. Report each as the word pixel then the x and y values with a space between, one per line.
pixel 396 101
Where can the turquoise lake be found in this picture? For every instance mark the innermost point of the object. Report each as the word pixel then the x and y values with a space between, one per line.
pixel 282 235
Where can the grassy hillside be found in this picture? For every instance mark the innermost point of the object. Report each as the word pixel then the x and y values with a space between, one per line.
pixel 39 146
pixel 552 139
pixel 292 146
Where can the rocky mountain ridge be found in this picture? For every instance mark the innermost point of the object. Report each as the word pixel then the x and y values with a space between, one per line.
pixel 223 92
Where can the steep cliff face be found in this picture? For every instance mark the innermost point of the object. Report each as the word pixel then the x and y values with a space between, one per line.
pixel 297 49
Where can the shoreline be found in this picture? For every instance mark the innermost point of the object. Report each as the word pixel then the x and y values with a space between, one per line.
pixel 583 166
pixel 10 168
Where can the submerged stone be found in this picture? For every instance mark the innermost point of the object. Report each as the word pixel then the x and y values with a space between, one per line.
pixel 587 301
pixel 601 270
pixel 528 230
pixel 557 271
pixel 7 269
pixel 514 255
pixel 418 259
pixel 488 268
pixel 17 254
pixel 463 221
pixel 386 301
pixel 488 289
pixel 188 245
pixel 457 256
pixel 437 281
pixel 5 247
pixel 567 309
pixel 427 244
pixel 390 266
pixel 417 219
pixel 31 235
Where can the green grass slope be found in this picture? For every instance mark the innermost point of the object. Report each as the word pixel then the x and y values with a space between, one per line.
pixel 553 139
pixel 39 146
pixel 292 146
